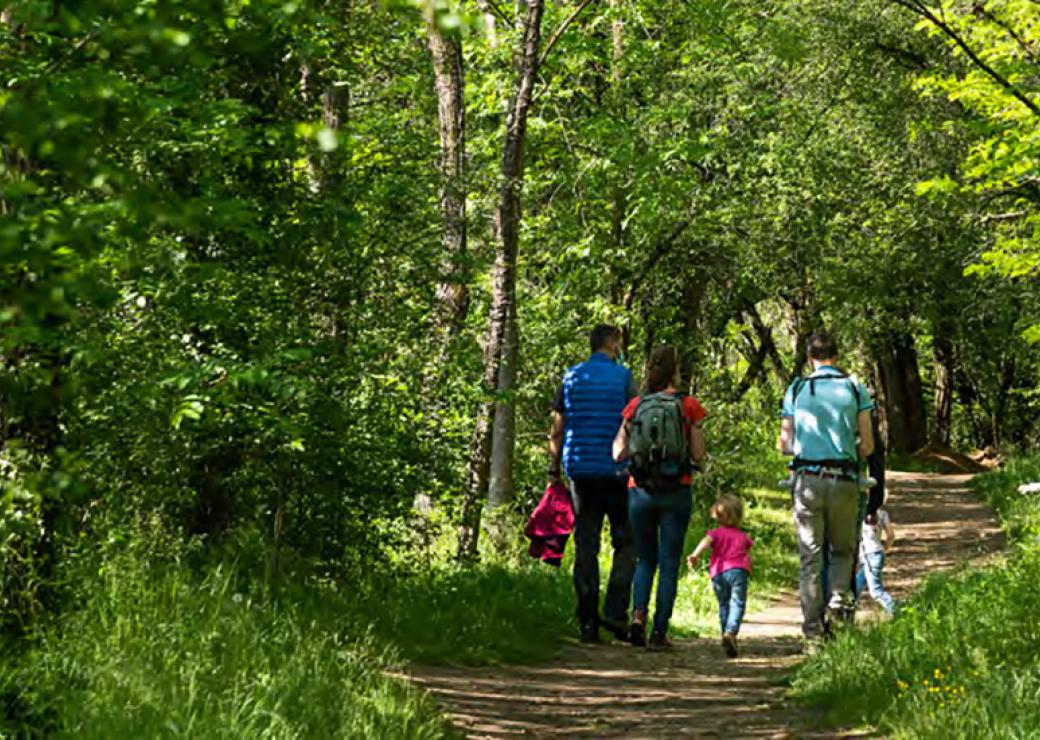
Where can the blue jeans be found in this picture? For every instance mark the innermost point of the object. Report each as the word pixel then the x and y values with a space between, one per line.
pixel 869 576
pixel 659 522
pixel 731 591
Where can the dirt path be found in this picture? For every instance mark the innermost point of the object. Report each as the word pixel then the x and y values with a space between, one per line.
pixel 615 690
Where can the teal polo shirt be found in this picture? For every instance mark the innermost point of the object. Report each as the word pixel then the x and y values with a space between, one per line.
pixel 826 414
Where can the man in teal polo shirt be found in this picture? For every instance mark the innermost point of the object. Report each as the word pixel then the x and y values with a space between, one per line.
pixel 825 424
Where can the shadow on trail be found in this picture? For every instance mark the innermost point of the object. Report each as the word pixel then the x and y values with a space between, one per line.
pixel 615 689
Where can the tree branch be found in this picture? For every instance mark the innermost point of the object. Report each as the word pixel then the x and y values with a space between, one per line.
pixel 562 29
pixel 490 6
pixel 922 10
pixel 983 12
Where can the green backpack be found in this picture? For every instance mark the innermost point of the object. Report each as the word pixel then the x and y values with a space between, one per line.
pixel 658 443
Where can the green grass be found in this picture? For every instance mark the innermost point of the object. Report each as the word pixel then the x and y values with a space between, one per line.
pixel 963 658
pixel 159 652
pixel 489 614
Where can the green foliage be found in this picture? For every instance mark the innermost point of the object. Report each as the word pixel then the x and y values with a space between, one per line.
pixel 219 263
pixel 993 77
pixel 960 659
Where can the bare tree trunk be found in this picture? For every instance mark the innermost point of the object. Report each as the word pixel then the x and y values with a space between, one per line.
pixel 500 351
pixel 756 365
pixel 693 294
pixel 969 399
pixel 904 401
pixel 1008 367
pixel 942 351
pixel 617 28
pixel 805 319
pixel 503 439
pixel 452 291
pixel 765 338
pixel 874 384
pixel 322 170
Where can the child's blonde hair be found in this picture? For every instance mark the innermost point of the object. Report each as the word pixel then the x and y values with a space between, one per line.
pixel 728 510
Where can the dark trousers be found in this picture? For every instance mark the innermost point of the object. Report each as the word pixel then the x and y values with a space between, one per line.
pixel 595 498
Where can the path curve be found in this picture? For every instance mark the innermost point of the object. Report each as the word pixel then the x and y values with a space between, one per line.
pixel 615 690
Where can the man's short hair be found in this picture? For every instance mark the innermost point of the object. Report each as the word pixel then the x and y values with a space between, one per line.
pixel 822 346
pixel 600 335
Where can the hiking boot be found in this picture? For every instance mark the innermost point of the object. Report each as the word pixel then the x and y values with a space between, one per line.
pixel 659 641
pixel 729 645
pixel 590 633
pixel 637 630
pixel 637 634
pixel 616 628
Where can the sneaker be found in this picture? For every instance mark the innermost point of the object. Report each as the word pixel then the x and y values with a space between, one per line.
pixel 838 618
pixel 729 645
pixel 590 633
pixel 616 628
pixel 812 645
pixel 659 641
pixel 637 634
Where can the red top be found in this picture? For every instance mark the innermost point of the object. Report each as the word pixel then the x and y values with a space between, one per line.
pixel 693 412
pixel 729 549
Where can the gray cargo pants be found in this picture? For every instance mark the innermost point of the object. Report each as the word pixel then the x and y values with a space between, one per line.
pixel 825 510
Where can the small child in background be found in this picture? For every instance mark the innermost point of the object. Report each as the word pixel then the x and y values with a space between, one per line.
pixel 729 567
pixel 872 559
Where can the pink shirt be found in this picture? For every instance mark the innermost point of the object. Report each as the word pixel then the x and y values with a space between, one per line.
pixel 729 549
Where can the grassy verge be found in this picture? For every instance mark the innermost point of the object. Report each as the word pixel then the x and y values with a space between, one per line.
pixel 161 652
pixel 963 658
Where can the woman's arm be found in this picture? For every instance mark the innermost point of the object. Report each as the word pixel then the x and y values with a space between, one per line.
pixel 697 448
pixel 621 443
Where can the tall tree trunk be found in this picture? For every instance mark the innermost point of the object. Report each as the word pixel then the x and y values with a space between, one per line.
pixel 904 400
pixel 452 291
pixel 693 293
pixel 765 338
pixel 874 384
pixel 500 351
pixel 982 432
pixel 1008 367
pixel 942 351
pixel 323 169
pixel 804 318
pixel 756 366
pixel 617 33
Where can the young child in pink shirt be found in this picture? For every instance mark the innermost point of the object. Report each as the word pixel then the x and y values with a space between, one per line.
pixel 729 567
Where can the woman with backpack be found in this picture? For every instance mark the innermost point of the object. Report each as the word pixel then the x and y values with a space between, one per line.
pixel 662 439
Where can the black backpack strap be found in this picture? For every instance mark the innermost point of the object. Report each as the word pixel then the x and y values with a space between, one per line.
pixel 800 382
pixel 796 388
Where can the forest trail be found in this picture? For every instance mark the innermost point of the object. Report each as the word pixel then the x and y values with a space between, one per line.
pixel 614 690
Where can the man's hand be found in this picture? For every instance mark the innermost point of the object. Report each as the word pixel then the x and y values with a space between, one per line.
pixel 692 560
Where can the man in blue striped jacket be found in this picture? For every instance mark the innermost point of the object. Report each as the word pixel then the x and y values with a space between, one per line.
pixel 586 417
